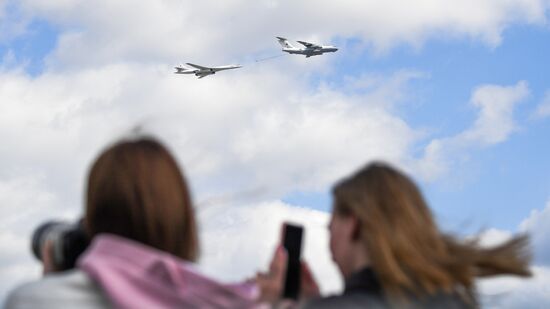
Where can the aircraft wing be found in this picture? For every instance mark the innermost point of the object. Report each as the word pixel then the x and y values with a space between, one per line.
pixel 309 45
pixel 196 66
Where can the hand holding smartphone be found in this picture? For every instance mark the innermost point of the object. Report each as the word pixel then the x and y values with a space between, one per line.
pixel 292 242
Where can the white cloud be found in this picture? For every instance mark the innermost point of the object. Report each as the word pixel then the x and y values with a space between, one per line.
pixel 493 237
pixel 494 124
pixel 17 264
pixel 496 105
pixel 511 292
pixel 24 204
pixel 543 109
pixel 237 241
pixel 172 30
pixel 278 134
pixel 538 226
pixel 320 138
pixel 18 197
pixel 514 293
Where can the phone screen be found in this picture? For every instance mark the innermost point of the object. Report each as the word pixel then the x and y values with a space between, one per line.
pixel 292 241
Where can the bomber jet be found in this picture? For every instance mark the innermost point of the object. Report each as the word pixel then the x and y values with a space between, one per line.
pixel 309 50
pixel 202 71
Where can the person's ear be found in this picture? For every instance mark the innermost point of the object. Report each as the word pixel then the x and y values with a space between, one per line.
pixel 355 229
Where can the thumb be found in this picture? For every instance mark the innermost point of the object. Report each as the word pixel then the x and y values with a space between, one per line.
pixel 47 257
pixel 278 264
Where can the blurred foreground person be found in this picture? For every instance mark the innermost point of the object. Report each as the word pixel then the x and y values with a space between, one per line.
pixel 144 240
pixel 391 253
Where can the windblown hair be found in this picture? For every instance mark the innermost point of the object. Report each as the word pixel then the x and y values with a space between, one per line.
pixel 409 254
pixel 136 190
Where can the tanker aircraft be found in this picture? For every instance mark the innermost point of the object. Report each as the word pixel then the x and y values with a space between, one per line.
pixel 309 50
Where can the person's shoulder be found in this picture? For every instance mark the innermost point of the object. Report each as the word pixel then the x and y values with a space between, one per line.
pixel 347 301
pixel 369 300
pixel 442 300
pixel 71 288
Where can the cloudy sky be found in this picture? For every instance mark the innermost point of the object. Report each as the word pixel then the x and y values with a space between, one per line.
pixel 456 93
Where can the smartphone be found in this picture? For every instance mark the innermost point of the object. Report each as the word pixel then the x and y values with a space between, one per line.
pixel 292 242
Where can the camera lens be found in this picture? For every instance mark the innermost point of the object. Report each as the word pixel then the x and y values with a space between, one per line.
pixel 68 241
pixel 39 237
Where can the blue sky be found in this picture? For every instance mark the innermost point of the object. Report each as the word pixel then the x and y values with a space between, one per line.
pixel 499 185
pixel 73 77
pixel 32 46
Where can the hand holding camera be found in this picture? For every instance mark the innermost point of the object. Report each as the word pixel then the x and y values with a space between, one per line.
pixel 58 244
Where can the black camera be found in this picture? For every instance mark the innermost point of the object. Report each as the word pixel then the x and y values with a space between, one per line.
pixel 68 241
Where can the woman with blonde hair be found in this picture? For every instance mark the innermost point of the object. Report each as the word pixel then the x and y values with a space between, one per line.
pixel 391 254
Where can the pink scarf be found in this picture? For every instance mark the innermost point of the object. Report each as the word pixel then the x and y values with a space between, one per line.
pixel 134 275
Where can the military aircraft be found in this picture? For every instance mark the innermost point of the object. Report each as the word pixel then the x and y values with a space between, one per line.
pixel 309 50
pixel 202 71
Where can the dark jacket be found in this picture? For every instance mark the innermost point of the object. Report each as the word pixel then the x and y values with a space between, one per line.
pixel 363 290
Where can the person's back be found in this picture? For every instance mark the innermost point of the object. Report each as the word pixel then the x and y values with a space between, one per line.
pixel 70 289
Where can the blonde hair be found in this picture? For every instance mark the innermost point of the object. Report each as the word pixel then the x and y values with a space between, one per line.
pixel 408 253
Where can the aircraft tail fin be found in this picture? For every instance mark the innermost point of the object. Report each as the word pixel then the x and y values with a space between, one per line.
pixel 284 42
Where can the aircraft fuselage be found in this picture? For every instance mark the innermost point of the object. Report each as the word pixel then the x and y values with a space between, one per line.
pixel 308 52
pixel 202 71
